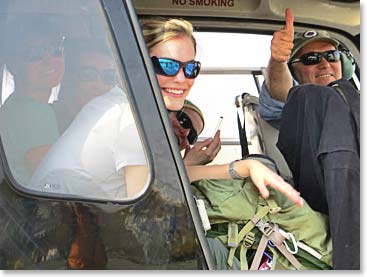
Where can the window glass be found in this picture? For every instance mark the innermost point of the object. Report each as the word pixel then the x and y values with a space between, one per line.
pixel 229 61
pixel 219 49
pixel 65 121
pixel 215 95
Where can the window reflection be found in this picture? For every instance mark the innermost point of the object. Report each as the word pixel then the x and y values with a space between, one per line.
pixel 65 120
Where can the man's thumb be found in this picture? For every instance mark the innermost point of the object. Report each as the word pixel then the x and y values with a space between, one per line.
pixel 289 19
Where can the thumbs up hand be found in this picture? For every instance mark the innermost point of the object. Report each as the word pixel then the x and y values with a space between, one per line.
pixel 282 41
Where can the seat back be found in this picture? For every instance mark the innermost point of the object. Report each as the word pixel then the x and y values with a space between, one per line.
pixel 261 137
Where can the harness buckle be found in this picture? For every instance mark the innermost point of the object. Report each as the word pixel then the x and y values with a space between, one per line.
pixel 249 240
pixel 265 227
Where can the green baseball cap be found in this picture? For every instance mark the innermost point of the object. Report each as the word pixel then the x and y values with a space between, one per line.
pixel 189 105
pixel 303 38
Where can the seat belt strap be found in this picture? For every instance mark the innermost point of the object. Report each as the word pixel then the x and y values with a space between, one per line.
pixel 242 130
pixel 244 231
pixel 232 241
pixel 251 224
pixel 243 258
pixel 277 239
pixel 259 252
pixel 290 257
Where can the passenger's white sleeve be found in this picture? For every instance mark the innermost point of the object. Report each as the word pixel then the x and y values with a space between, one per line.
pixel 128 147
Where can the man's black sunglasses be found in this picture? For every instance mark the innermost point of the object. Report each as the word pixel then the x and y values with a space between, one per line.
pixel 170 67
pixel 186 123
pixel 312 58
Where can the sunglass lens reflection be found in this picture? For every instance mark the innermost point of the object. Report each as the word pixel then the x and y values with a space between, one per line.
pixel 190 69
pixel 315 58
pixel 169 67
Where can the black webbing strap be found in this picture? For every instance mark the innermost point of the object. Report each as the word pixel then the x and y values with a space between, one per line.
pixel 243 137
pixel 242 130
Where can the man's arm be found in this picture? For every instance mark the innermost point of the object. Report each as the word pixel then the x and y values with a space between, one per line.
pixel 278 79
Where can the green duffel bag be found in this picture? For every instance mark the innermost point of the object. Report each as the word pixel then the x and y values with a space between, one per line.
pixel 249 226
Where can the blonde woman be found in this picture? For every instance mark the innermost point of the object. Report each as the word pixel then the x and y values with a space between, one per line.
pixel 172 48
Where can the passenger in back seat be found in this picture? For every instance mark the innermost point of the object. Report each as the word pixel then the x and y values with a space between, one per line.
pixel 34 55
pixel 90 71
pixel 319 131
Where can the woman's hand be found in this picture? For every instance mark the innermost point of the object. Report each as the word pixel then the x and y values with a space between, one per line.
pixel 262 177
pixel 259 173
pixel 203 152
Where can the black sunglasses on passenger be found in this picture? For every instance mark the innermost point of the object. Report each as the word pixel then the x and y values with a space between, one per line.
pixel 90 74
pixel 38 53
pixel 170 67
pixel 313 58
pixel 186 123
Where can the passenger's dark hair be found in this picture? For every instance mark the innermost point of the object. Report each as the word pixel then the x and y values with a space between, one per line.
pixel 19 30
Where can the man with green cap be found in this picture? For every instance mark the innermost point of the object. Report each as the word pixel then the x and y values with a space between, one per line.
pixel 310 57
pixel 317 113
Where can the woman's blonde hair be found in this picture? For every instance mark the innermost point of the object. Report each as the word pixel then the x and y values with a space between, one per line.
pixel 160 30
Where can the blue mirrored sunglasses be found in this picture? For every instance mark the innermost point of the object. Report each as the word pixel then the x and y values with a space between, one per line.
pixel 171 67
